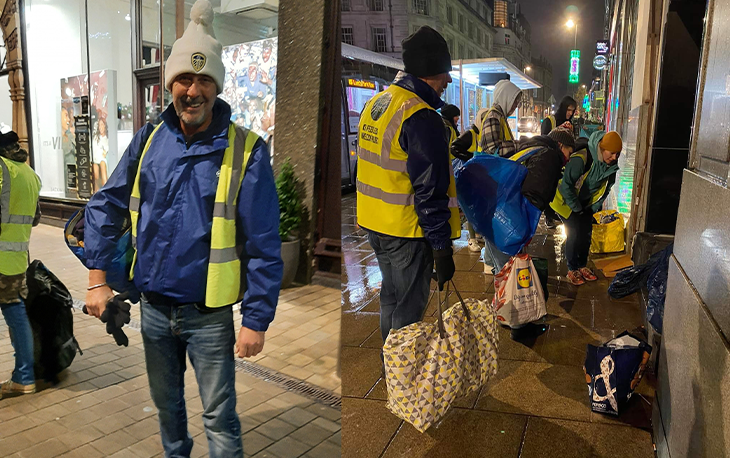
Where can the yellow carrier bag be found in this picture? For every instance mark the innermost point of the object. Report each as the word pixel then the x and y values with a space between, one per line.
pixel 607 237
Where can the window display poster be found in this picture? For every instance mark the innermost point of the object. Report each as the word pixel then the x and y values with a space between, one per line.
pixel 250 85
pixel 103 115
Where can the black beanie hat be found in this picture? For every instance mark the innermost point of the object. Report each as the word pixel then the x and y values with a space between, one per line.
pixel 449 111
pixel 8 139
pixel 425 53
pixel 562 135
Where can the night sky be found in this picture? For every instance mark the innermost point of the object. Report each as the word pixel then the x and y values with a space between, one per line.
pixel 552 39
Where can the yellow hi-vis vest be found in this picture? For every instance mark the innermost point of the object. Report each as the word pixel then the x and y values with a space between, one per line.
pixel 552 122
pixel 223 283
pixel 505 126
pixel 476 137
pixel 19 190
pixel 385 196
pixel 558 204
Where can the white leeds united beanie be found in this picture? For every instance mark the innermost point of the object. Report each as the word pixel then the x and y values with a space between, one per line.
pixel 197 51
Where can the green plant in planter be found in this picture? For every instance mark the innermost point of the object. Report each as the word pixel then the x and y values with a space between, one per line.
pixel 290 203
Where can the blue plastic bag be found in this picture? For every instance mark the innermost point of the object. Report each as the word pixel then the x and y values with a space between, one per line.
pixel 657 286
pixel 117 277
pixel 489 193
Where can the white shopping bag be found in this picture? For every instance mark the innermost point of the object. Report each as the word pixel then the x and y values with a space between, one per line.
pixel 519 297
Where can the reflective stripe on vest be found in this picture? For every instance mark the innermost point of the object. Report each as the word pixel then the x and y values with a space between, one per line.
pixel 522 156
pixel 223 282
pixel 384 191
pixel 19 189
pixel 558 204
pixel 552 122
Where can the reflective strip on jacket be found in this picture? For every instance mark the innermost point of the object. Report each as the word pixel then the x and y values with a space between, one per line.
pixel 19 190
pixel 558 204
pixel 178 184
pixel 385 195
pixel 506 131
pixel 223 283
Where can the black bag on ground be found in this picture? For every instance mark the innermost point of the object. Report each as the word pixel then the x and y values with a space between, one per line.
pixel 49 305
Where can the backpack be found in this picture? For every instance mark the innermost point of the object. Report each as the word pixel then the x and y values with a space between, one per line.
pixel 48 307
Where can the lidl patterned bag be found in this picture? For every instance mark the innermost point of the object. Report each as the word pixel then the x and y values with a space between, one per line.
pixel 519 297
pixel 429 365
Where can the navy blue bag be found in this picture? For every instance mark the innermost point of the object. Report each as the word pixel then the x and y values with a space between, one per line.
pixel 614 370
pixel 657 286
pixel 117 277
pixel 489 193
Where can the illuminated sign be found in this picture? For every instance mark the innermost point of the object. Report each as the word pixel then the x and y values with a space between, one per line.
pixel 599 62
pixel 602 47
pixel 360 83
pixel 574 66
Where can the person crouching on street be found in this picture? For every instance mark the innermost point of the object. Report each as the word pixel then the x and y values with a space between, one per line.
pixel 587 180
pixel 544 157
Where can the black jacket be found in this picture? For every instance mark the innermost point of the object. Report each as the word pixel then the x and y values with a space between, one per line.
pixel 461 147
pixel 544 170
pixel 560 113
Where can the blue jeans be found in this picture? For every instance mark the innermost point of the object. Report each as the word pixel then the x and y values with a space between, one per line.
pixel 22 339
pixel 406 266
pixel 494 255
pixel 168 332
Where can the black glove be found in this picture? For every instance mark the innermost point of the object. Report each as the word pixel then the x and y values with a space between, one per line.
pixel 116 316
pixel 445 267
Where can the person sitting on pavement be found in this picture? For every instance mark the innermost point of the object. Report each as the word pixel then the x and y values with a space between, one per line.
pixel 19 211
pixel 450 114
pixel 496 137
pixel 562 117
pixel 467 144
pixel 587 180
pixel 544 157
pixel 406 194
pixel 199 247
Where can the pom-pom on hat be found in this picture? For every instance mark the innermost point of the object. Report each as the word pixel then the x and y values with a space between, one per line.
pixel 197 51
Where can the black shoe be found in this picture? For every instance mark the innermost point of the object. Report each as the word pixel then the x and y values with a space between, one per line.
pixel 528 331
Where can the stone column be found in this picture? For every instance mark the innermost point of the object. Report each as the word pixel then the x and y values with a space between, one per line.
pixel 304 103
pixel 10 23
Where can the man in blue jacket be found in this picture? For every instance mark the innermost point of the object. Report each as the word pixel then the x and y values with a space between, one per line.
pixel 180 247
pixel 406 195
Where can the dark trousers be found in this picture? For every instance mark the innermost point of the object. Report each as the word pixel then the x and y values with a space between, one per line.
pixel 406 266
pixel 579 228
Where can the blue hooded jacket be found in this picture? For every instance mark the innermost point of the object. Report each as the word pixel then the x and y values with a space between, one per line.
pixel 177 187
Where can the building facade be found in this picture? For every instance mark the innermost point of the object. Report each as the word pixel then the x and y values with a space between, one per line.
pixel 380 25
pixel 512 38
pixel 542 71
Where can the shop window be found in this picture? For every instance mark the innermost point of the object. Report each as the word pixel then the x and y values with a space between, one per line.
pixel 347 35
pixel 376 5
pixel 86 69
pixel 379 43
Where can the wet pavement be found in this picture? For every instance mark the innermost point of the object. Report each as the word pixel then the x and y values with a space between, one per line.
pixel 287 397
pixel 536 406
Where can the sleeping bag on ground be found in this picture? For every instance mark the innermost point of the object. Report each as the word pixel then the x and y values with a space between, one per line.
pixel 488 190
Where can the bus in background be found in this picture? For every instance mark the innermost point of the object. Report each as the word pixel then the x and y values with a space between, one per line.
pixel 364 74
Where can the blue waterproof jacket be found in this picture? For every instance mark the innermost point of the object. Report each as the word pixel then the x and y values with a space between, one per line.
pixel 426 141
pixel 177 187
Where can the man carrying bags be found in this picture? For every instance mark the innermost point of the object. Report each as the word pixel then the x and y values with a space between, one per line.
pixel 589 175
pixel 406 195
